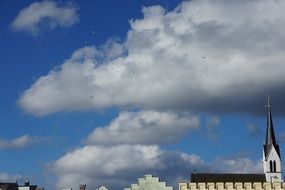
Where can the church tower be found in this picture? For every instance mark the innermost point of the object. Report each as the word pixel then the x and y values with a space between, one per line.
pixel 271 151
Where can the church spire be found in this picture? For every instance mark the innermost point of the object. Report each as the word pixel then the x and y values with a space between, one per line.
pixel 270 136
pixel 271 152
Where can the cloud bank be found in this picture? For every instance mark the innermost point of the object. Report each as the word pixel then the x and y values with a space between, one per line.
pixel 45 15
pixel 129 147
pixel 144 127
pixel 211 56
pixel 119 166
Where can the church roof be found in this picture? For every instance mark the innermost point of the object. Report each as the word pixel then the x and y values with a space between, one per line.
pixel 270 136
pixel 227 177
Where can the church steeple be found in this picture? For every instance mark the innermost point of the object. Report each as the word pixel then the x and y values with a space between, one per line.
pixel 270 135
pixel 271 151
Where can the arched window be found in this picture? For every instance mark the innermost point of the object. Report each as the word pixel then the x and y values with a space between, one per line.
pixel 274 166
pixel 271 167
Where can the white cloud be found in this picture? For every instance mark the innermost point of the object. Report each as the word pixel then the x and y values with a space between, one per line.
pixel 119 166
pixel 19 142
pixel 210 56
pixel 128 154
pixel 45 15
pixel 144 127
pixel 237 165
pixel 4 177
pixel 104 160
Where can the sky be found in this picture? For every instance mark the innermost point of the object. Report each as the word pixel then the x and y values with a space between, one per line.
pixel 104 92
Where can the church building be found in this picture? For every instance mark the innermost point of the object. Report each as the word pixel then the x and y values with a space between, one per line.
pixel 271 151
pixel 270 179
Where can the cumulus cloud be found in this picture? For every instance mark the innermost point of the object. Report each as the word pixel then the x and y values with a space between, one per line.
pixel 119 166
pixel 211 56
pixel 123 153
pixel 46 15
pixel 20 142
pixel 144 127
pixel 126 149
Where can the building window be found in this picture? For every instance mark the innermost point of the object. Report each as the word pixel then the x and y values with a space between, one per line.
pixel 274 166
pixel 271 166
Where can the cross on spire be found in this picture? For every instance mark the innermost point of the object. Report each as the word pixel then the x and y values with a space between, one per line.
pixel 268 105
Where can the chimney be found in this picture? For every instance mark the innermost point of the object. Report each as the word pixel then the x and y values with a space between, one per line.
pixel 82 187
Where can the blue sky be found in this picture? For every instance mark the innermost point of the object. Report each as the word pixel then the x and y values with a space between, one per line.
pixel 103 92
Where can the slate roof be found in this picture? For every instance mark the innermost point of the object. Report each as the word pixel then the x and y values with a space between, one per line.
pixel 227 177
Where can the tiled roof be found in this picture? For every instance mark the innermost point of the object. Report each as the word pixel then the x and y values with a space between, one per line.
pixel 225 177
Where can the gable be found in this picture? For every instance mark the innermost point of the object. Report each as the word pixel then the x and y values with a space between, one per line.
pixel 271 152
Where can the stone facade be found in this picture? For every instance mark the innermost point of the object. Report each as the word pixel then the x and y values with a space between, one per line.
pixel 149 183
pixel 233 186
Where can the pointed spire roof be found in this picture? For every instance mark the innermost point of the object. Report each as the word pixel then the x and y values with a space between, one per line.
pixel 270 136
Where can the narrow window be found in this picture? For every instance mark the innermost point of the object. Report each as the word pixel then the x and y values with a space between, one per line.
pixel 271 167
pixel 274 166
